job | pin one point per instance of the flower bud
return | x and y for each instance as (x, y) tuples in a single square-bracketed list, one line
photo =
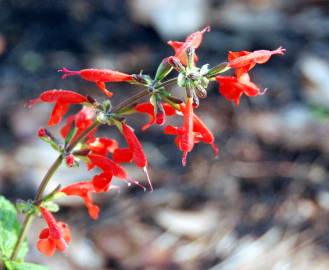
[(176, 64), (190, 56), (196, 101), (69, 159), (200, 91), (42, 132), (163, 70)]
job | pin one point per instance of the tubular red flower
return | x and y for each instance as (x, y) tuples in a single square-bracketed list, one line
[(194, 40), (148, 109), (62, 99), (56, 237), (244, 61), (84, 190), (232, 88), (135, 146), (138, 155), (187, 141), (99, 76), (201, 133)]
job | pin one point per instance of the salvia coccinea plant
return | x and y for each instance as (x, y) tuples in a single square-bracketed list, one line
[(79, 143)]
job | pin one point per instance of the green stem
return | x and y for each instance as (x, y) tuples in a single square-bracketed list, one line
[(20, 240), (54, 167), (168, 82)]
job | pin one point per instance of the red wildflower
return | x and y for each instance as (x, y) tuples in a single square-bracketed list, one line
[(62, 98), (82, 120), (134, 145), (56, 236), (201, 133), (185, 136), (84, 190), (232, 88), (148, 108), (194, 40), (99, 76), (244, 61)]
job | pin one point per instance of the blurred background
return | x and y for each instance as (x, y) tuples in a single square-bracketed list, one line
[(263, 204)]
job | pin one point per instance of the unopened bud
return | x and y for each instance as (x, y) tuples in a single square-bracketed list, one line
[(200, 91), (69, 159), (42, 132), (176, 64), (196, 101), (190, 56), (163, 70)]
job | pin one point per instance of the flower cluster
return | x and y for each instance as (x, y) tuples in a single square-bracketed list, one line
[(79, 133)]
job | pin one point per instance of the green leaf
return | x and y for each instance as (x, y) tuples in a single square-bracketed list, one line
[(24, 266), (9, 230)]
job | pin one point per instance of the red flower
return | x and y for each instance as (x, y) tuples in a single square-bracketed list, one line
[(244, 61), (194, 40), (62, 98), (56, 236), (134, 145), (232, 88), (148, 108), (185, 136), (201, 133), (99, 76), (84, 190), (82, 120)]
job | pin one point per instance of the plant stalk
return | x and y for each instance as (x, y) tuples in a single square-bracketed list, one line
[(54, 167)]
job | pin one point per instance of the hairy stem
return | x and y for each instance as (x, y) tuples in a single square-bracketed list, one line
[(54, 167)]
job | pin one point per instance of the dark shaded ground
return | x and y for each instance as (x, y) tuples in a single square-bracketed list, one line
[(262, 205)]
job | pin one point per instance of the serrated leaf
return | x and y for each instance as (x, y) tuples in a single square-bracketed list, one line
[(24, 266), (9, 230)]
